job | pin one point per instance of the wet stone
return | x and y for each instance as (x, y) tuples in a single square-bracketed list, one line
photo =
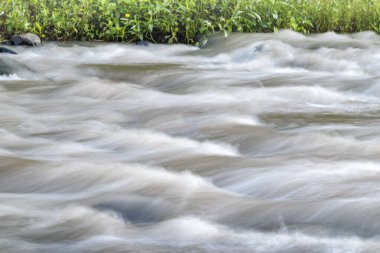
[(5, 50), (27, 39)]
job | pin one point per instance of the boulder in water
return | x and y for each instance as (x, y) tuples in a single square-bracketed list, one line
[(27, 39), (4, 50)]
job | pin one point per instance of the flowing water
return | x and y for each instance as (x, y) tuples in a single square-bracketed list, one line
[(258, 143)]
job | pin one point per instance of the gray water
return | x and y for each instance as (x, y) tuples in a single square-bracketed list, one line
[(259, 143)]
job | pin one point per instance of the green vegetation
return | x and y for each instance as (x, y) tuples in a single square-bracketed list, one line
[(173, 21)]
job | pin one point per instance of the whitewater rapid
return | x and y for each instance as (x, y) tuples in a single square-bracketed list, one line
[(264, 143)]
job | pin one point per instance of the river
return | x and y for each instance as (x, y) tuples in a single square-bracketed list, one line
[(264, 143)]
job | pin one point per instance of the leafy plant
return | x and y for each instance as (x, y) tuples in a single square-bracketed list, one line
[(179, 21)]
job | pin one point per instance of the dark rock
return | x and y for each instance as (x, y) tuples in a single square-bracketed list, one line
[(198, 36), (142, 43), (27, 39), (4, 50), (200, 40)]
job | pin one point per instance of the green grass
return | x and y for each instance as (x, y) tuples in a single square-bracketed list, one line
[(177, 21)]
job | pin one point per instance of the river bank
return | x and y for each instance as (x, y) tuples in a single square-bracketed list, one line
[(180, 21)]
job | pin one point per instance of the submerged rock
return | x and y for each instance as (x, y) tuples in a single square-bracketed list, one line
[(4, 50), (9, 66), (142, 43), (6, 67), (27, 39), (138, 209)]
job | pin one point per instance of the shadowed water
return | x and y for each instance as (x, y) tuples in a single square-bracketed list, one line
[(259, 143)]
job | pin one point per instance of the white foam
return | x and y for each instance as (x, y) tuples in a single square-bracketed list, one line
[(10, 77)]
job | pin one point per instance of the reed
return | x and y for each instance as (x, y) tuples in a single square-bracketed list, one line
[(178, 21)]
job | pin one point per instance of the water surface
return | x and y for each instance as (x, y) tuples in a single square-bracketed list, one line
[(259, 143)]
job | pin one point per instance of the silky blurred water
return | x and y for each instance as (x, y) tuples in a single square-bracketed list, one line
[(258, 143)]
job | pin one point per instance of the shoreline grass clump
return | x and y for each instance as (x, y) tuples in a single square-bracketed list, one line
[(178, 21)]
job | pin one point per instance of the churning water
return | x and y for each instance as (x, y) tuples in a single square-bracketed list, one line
[(259, 143)]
